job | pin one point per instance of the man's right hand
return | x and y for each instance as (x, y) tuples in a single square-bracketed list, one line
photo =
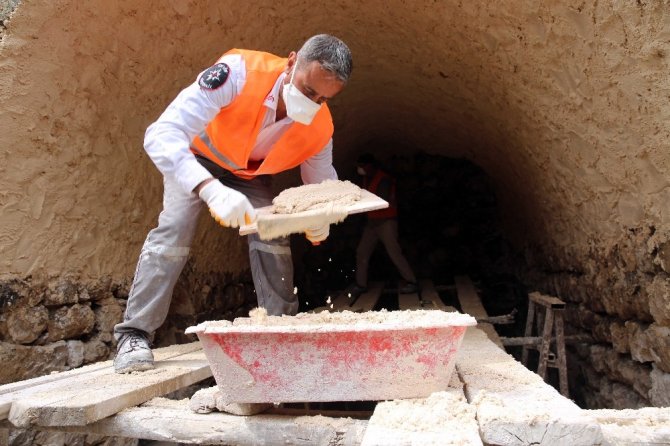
[(228, 206)]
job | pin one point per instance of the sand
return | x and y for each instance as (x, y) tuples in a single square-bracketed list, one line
[(316, 196), (258, 318)]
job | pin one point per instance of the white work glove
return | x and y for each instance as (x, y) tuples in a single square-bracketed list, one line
[(318, 234), (228, 206)]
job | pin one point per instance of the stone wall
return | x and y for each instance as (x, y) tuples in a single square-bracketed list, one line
[(620, 296), (62, 323)]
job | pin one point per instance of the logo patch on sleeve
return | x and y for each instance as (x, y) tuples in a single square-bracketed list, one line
[(214, 76)]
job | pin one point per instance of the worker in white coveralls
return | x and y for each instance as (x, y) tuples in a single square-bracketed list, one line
[(249, 116)]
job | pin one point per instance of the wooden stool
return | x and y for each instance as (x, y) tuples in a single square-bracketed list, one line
[(551, 320)]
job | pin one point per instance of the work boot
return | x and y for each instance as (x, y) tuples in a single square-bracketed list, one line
[(133, 353), (355, 290), (408, 288)]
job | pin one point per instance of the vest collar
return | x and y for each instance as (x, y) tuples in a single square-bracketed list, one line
[(272, 99)]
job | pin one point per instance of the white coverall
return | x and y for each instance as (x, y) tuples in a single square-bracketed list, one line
[(167, 246)]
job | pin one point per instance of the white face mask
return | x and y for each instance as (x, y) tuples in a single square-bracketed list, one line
[(360, 170), (299, 107)]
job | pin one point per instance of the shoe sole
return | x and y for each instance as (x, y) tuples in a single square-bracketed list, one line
[(135, 367)]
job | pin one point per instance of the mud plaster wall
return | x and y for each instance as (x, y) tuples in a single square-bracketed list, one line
[(564, 104)]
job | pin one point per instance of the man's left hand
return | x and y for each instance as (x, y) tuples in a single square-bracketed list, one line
[(318, 234)]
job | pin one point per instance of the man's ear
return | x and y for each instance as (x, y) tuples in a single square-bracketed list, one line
[(292, 56)]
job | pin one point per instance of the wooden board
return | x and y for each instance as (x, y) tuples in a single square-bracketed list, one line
[(472, 305), (514, 405), (22, 389), (430, 296), (368, 202), (409, 301), (85, 398), (169, 420), (368, 300)]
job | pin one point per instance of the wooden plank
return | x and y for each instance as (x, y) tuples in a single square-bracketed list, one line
[(514, 405), (368, 202), (444, 418), (472, 305), (368, 300), (161, 419), (634, 427), (22, 389), (93, 396), (430, 296), (546, 301), (409, 301)]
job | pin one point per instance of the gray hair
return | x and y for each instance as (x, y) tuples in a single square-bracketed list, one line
[(333, 55)]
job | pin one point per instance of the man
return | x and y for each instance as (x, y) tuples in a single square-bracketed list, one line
[(250, 115), (381, 225)]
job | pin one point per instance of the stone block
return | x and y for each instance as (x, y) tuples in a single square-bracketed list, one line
[(659, 299), (620, 368), (70, 322), (95, 350), (659, 394), (101, 290), (659, 340), (23, 362), (640, 344), (61, 292), (75, 353), (620, 339), (107, 315), (26, 324), (615, 395)]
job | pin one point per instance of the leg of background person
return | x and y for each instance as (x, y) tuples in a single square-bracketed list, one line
[(388, 233), (366, 247)]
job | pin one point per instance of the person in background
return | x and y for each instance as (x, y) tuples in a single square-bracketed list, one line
[(381, 225), (247, 117)]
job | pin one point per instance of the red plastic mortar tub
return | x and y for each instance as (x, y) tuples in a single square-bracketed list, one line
[(344, 357)]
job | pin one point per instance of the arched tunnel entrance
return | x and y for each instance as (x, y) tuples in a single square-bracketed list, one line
[(530, 139)]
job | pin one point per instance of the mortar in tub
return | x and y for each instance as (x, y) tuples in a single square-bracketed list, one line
[(333, 356)]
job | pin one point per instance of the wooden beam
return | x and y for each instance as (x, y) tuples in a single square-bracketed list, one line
[(430, 296), (537, 340), (444, 418), (634, 427), (22, 389), (170, 420), (409, 301), (514, 405), (368, 300), (546, 301), (90, 397), (472, 305)]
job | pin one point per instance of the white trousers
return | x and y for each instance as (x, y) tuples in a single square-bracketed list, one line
[(167, 246)]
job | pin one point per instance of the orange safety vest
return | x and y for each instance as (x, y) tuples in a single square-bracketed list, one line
[(392, 210), (230, 137)]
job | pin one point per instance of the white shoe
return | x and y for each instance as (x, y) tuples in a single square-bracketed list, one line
[(133, 353)]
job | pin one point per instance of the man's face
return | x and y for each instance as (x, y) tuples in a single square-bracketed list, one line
[(313, 81)]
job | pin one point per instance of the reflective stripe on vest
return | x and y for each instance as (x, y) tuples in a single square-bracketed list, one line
[(392, 210), (229, 138)]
